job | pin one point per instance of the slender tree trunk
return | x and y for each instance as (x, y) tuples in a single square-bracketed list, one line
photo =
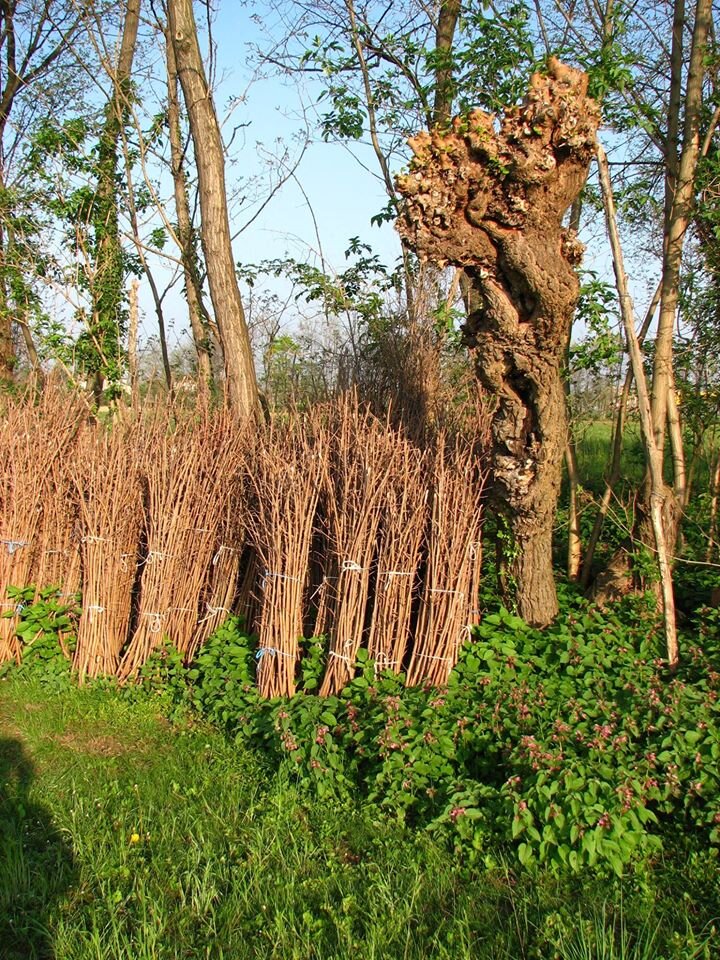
[(574, 554), (613, 471), (680, 192), (574, 551), (444, 38), (193, 286), (217, 246), (7, 347), (139, 247), (652, 450), (715, 495), (132, 343), (108, 318)]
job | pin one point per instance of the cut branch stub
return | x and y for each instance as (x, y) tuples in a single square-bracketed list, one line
[(471, 184), (489, 194)]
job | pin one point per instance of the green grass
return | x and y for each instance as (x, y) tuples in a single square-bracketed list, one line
[(125, 837), (593, 442)]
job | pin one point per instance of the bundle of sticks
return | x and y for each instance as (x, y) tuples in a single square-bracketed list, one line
[(285, 479), (355, 485), (35, 438), (189, 468), (448, 599), (109, 491), (403, 522)]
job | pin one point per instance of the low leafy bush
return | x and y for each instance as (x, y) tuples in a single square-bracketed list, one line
[(47, 628), (572, 744)]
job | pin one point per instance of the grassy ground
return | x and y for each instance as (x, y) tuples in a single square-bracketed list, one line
[(126, 837)]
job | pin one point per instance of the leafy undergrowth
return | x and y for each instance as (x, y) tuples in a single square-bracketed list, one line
[(559, 799), (126, 836), (572, 746)]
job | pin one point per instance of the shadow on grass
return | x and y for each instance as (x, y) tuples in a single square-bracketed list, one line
[(36, 862)]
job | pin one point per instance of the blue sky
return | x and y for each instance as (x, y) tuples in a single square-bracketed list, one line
[(343, 195)]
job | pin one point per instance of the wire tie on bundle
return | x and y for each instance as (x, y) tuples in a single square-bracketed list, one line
[(429, 656), (13, 545), (389, 574), (219, 551), (124, 561), (94, 608), (91, 538), (341, 656), (382, 661), (349, 566), (458, 593), (17, 607), (154, 555), (213, 612), (273, 651), (320, 586), (269, 574), (157, 618)]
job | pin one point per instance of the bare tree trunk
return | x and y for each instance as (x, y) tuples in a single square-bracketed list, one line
[(715, 495), (676, 445), (444, 37), (7, 347), (132, 343), (653, 451), (574, 554), (493, 202), (140, 248), (680, 193), (613, 472), (193, 286), (217, 246)]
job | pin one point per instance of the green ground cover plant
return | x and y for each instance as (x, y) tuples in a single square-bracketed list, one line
[(552, 801), (127, 836)]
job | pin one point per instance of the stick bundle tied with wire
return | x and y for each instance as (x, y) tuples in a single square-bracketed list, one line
[(34, 437), (448, 600), (107, 480), (284, 482), (354, 490), (402, 528), (189, 466)]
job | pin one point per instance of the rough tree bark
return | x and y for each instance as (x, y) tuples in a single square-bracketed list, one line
[(193, 285), (217, 246), (492, 201)]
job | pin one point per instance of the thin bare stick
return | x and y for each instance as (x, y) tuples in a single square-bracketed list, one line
[(652, 449)]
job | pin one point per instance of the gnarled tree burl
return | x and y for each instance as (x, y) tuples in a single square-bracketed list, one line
[(489, 194)]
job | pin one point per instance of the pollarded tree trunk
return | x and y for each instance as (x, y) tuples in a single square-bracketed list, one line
[(492, 201)]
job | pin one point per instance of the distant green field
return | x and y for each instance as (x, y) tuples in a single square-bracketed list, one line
[(593, 450)]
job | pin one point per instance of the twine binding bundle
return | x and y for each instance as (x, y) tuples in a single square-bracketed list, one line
[(402, 527), (107, 480), (354, 488), (188, 468), (34, 439), (447, 599), (285, 480)]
